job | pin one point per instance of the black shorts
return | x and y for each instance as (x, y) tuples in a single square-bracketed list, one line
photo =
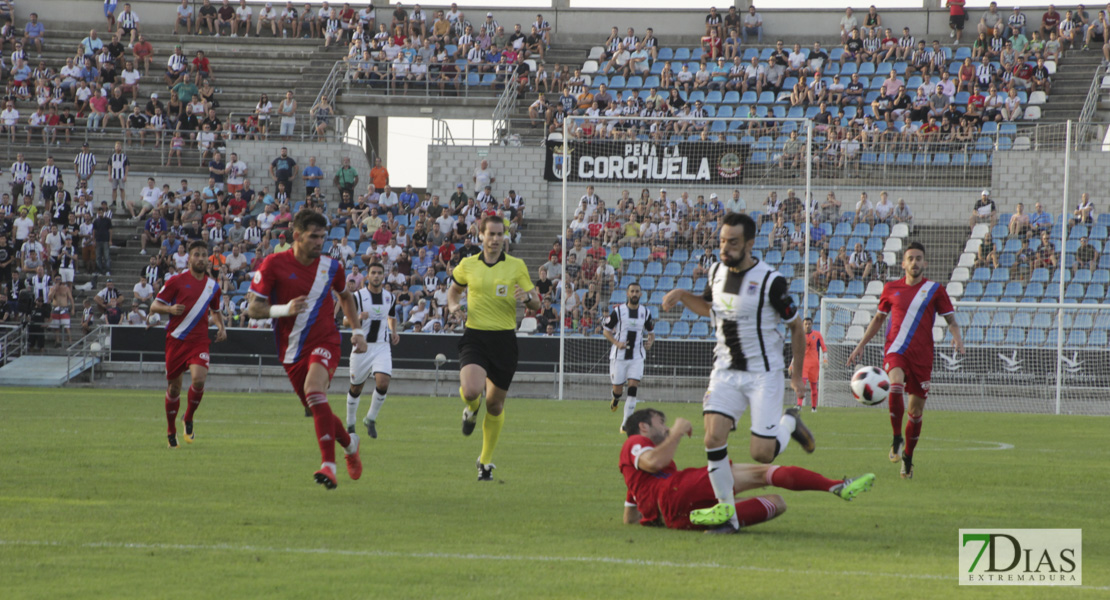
[(957, 21), (494, 351)]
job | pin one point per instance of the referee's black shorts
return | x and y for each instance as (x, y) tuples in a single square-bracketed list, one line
[(494, 351)]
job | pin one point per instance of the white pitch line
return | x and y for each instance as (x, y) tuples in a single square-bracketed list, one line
[(631, 562)]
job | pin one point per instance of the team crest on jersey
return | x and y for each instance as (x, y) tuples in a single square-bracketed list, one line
[(753, 287), (502, 290)]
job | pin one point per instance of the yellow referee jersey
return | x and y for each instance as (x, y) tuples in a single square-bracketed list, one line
[(491, 299)]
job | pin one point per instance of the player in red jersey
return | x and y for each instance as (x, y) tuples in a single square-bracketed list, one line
[(189, 299), (816, 357), (295, 288), (912, 303), (660, 494)]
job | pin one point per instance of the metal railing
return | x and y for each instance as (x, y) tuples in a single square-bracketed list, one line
[(1087, 130), (467, 82), (13, 343), (503, 112), (91, 346)]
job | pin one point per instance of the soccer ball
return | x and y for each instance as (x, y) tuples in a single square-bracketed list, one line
[(870, 386)]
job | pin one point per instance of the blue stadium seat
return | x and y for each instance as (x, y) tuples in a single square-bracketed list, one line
[(635, 267), (673, 268), (792, 257), (684, 283), (974, 335), (1077, 338), (1014, 289), (680, 329), (647, 282), (699, 283), (1023, 319), (654, 268), (1074, 291), (1001, 319), (619, 296), (1000, 275), (981, 318), (699, 330), (1036, 337), (1097, 339), (855, 288), (981, 274), (625, 252), (993, 289), (665, 283), (994, 335), (1039, 275), (773, 257), (786, 270), (836, 288), (689, 315), (974, 289), (662, 329), (643, 253), (1082, 276), (688, 268)]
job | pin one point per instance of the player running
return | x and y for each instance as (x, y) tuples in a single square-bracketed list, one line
[(660, 494), (816, 357), (747, 299), (912, 303), (294, 288), (377, 309), (629, 329), (189, 299), (494, 282)]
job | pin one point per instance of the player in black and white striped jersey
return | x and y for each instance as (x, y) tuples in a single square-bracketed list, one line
[(629, 329), (747, 299), (378, 313)]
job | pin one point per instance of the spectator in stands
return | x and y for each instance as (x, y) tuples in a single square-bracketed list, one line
[(987, 255), (1042, 79), (1023, 262), (848, 24), (1019, 223), (1084, 213), (903, 214), (860, 264), (990, 19), (1046, 254), (753, 25), (1086, 256), (268, 16), (865, 210), (957, 16), (884, 210), (984, 211)]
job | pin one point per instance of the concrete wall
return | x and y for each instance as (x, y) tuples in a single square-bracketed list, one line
[(516, 168), (576, 25), (1039, 177), (329, 157)]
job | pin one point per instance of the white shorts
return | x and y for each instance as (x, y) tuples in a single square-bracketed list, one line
[(66, 274), (378, 358), (731, 392), (621, 370)]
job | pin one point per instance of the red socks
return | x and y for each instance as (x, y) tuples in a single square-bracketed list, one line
[(755, 510), (913, 431), (798, 480), (329, 429), (897, 408), (172, 404), (813, 393), (194, 401)]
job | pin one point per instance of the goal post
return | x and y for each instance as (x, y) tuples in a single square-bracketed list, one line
[(1045, 357)]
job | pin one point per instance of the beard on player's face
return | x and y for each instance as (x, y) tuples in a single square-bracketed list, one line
[(634, 297), (733, 259)]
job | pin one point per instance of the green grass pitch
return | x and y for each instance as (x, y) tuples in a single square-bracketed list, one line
[(93, 505)]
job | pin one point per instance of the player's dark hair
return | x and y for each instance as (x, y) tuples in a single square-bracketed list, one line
[(306, 218), (196, 244), (634, 284), (486, 220), (375, 264), (807, 319), (916, 246), (734, 219), (644, 415)]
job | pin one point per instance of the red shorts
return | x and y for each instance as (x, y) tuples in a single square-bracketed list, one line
[(811, 375), (687, 490), (917, 373), (327, 355), (179, 355)]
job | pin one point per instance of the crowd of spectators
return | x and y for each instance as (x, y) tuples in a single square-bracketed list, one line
[(58, 235), (433, 51)]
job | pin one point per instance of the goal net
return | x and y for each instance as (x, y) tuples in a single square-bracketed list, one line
[(1043, 357)]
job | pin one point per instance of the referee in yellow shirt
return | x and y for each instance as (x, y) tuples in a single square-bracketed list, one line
[(487, 350)]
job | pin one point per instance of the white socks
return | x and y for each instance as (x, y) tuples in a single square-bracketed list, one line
[(786, 428), (629, 408), (720, 476), (375, 405), (352, 409)]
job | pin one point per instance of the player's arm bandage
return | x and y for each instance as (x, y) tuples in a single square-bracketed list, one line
[(279, 310)]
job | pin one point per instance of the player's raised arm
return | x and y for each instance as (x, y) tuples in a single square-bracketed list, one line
[(872, 328), (698, 304), (656, 459)]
